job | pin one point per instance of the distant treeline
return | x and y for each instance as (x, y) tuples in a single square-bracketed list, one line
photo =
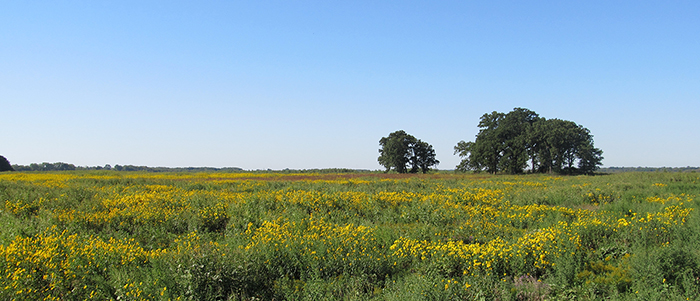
[(61, 166), (317, 170), (648, 169), (44, 167)]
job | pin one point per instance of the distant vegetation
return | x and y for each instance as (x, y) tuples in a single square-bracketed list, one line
[(58, 166), (649, 169), (61, 166)]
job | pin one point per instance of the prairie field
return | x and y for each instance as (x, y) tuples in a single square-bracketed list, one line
[(316, 236)]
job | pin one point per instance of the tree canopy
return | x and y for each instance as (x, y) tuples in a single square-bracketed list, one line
[(58, 166), (5, 164), (399, 151), (506, 142)]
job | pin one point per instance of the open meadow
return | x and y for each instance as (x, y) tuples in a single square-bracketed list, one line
[(281, 236)]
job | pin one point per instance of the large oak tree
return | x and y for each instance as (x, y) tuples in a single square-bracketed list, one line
[(399, 151)]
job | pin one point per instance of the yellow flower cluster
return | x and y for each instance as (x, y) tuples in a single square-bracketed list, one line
[(670, 199), (150, 204), (535, 249), (214, 218), (49, 180), (326, 248), (23, 208), (66, 262)]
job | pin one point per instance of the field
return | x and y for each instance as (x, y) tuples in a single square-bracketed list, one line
[(276, 236)]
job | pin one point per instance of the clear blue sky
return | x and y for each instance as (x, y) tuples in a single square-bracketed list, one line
[(300, 84)]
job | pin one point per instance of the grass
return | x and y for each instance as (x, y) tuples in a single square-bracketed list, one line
[(264, 236)]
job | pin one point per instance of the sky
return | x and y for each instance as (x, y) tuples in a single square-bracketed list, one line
[(316, 84)]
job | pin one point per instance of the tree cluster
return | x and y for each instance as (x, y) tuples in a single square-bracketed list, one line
[(401, 151), (58, 166), (509, 142), (5, 164)]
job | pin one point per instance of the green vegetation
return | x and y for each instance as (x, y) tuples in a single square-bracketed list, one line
[(5, 164), (400, 149), (506, 142), (111, 235), (61, 166), (614, 169)]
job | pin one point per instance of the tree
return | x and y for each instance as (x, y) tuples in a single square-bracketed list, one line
[(5, 164), (399, 150), (464, 150), (394, 151), (506, 142), (570, 148), (502, 144), (423, 157), (590, 158), (539, 151), (487, 150), (513, 134)]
